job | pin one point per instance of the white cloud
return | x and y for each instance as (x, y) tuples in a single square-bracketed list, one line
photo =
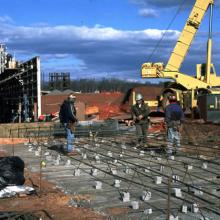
[(6, 19), (167, 3), (148, 13), (72, 33), (97, 51), (158, 3)]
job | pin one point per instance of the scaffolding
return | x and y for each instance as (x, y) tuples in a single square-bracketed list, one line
[(60, 81)]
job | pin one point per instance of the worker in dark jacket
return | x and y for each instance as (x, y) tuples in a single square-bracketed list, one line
[(174, 117), (140, 112), (68, 119)]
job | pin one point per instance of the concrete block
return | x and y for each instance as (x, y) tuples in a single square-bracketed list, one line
[(76, 172), (141, 153), (184, 209), (125, 196), (57, 162), (204, 218), (97, 158), (94, 172), (148, 211), (152, 152), (109, 154), (49, 158), (98, 184), (171, 157), (86, 146), (204, 165), (177, 192), (162, 168), (146, 195), (135, 205), (175, 178), (37, 153), (114, 171), (158, 180), (68, 163), (189, 167), (198, 192), (128, 170), (123, 146), (171, 217), (194, 208), (78, 150), (117, 183), (46, 153), (84, 156), (147, 170)]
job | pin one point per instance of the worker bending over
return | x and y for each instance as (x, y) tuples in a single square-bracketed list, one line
[(140, 112), (174, 117)]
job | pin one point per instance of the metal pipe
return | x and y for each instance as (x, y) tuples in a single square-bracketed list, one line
[(209, 47)]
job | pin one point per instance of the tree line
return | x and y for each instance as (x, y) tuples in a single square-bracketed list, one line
[(93, 85)]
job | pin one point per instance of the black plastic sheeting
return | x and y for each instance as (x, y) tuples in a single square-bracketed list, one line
[(17, 216), (11, 171)]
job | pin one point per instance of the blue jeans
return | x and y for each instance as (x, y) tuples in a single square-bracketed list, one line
[(70, 138), (173, 140)]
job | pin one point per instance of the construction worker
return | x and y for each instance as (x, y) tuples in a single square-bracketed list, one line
[(68, 118), (140, 112), (174, 117)]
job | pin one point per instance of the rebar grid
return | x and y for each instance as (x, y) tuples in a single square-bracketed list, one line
[(144, 168)]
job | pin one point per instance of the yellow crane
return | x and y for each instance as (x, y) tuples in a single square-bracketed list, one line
[(186, 87)]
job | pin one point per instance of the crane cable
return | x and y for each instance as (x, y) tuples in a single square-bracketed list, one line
[(163, 35)]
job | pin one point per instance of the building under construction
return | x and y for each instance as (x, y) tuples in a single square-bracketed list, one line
[(19, 88), (109, 176)]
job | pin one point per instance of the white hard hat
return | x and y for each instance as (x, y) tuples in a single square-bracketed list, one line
[(72, 96), (138, 97)]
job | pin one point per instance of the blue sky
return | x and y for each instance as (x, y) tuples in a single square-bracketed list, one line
[(101, 38)]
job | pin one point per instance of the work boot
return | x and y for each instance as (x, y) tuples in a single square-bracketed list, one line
[(72, 153)]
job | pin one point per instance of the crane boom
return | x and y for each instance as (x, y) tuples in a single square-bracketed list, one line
[(187, 35), (201, 80), (185, 86)]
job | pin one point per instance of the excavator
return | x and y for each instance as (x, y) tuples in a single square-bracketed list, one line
[(187, 88)]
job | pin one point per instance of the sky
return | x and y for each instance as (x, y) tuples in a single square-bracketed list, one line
[(102, 38)]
